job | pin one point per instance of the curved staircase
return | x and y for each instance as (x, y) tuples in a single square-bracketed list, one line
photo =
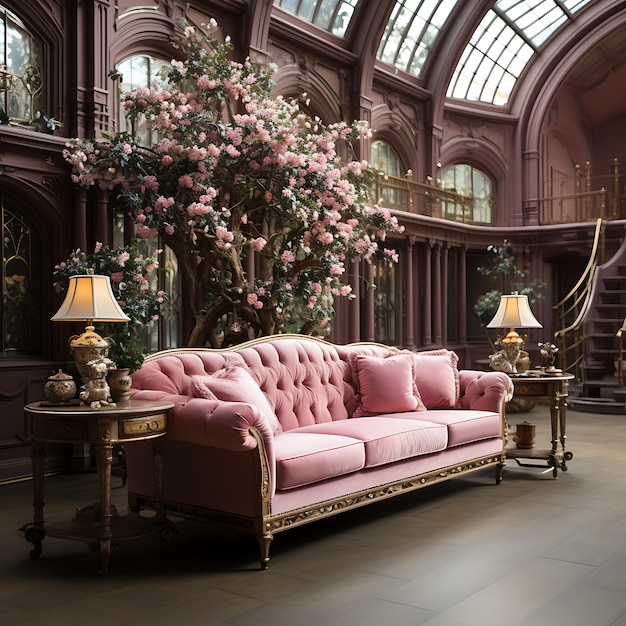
[(598, 388)]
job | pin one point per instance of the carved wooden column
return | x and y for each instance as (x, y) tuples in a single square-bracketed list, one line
[(437, 278), (80, 218), (354, 310), (427, 308), (94, 27), (462, 295), (368, 329), (102, 226), (445, 282), (409, 296)]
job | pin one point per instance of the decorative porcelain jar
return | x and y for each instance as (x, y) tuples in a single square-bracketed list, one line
[(60, 387)]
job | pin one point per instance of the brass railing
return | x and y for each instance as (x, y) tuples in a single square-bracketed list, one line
[(427, 199), (620, 359), (423, 199), (573, 308), (586, 206)]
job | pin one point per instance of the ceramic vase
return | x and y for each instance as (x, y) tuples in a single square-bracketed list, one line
[(60, 387), (120, 383)]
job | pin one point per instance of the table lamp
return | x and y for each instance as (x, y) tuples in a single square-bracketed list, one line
[(90, 299), (513, 312)]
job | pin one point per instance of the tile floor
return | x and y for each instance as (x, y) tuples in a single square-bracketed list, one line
[(533, 551)]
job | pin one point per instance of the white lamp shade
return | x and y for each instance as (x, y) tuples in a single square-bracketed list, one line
[(514, 312), (90, 297)]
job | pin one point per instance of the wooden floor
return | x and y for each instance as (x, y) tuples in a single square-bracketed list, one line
[(533, 551)]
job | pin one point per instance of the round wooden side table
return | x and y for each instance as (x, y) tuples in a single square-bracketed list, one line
[(98, 525)]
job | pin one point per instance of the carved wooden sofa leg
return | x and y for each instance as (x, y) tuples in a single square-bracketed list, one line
[(499, 471), (264, 547)]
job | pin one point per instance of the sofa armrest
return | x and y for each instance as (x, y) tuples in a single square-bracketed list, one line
[(484, 391), (218, 424), (234, 426)]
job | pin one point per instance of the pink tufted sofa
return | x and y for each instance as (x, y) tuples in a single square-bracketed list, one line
[(289, 429)]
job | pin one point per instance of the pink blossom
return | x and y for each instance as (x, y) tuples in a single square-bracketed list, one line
[(258, 244), (392, 254), (145, 233), (169, 229), (287, 257), (151, 182), (195, 208), (185, 182), (122, 258), (140, 219), (117, 277), (163, 203), (224, 234), (252, 298)]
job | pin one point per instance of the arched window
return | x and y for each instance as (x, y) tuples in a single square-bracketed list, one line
[(384, 158), (20, 313), (136, 72), (21, 82), (394, 193), (474, 185)]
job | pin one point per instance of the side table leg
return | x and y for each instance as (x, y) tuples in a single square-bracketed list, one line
[(555, 411), (158, 451), (34, 533), (167, 530), (104, 462)]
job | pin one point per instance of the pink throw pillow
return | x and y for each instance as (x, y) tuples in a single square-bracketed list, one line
[(437, 378), (385, 385), (235, 384)]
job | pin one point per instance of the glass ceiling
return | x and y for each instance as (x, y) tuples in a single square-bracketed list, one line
[(501, 46)]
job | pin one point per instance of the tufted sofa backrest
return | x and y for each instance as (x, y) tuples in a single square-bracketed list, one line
[(307, 381)]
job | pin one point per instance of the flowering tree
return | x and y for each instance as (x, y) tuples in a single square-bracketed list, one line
[(131, 281), (250, 193)]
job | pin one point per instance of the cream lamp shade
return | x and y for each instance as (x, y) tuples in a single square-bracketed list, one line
[(514, 312), (90, 298)]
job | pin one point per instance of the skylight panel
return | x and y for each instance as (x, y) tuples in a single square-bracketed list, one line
[(502, 45), (333, 16), (412, 32)]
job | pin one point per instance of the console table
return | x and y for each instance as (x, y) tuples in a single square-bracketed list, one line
[(98, 525), (552, 389)]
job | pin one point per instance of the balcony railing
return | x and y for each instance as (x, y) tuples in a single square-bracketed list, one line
[(422, 199), (404, 194)]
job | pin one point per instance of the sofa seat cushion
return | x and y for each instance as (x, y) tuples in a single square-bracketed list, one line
[(302, 459), (388, 438), (466, 426)]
